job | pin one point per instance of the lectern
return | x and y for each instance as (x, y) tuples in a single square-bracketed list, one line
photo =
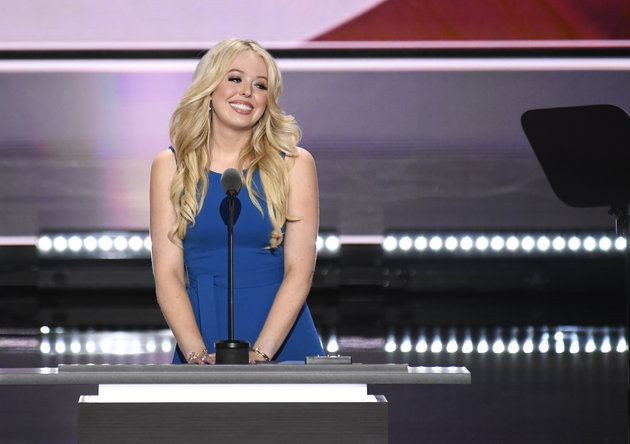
[(280, 403)]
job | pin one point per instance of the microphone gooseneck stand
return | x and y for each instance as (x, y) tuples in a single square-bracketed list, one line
[(231, 351)]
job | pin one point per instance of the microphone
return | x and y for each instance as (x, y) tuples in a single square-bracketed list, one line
[(231, 351), (231, 182)]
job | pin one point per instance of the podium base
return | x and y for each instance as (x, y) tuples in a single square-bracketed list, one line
[(232, 352), (278, 422)]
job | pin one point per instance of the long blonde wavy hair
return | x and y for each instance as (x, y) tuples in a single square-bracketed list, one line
[(275, 135)]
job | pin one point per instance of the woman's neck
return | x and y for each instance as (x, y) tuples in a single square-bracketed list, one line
[(226, 147)]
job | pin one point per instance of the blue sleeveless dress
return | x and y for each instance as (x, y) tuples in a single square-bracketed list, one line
[(258, 273)]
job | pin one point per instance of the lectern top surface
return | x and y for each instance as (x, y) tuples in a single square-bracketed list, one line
[(231, 374)]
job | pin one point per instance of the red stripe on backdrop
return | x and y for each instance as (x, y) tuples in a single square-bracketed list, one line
[(418, 20)]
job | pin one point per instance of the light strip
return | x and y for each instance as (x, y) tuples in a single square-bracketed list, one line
[(563, 340), (132, 393), (96, 245), (298, 44), (361, 239), (407, 243), (489, 244), (331, 65), (26, 241)]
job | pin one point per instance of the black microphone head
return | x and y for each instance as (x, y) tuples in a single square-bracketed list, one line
[(231, 181)]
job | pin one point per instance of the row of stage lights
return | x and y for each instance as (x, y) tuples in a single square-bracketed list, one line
[(502, 244), (126, 245), (122, 343), (106, 245), (138, 244), (59, 342), (561, 342)]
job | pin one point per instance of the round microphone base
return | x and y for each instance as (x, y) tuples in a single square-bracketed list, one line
[(232, 352)]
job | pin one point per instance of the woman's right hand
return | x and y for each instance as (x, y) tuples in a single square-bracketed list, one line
[(203, 358)]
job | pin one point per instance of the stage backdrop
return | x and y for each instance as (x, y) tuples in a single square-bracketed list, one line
[(413, 141), (107, 24)]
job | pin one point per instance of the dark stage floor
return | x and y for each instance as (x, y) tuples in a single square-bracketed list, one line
[(538, 385)]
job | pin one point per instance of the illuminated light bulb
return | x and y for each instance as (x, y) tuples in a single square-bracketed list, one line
[(44, 244), (120, 243), (332, 243), (512, 243), (497, 243), (166, 345), (151, 346), (451, 346), (75, 347), (589, 243), (60, 243), (620, 243), (90, 347), (389, 243), (405, 243), (44, 347), (481, 243), (482, 346), (450, 243), (319, 243), (147, 243), (606, 347), (528, 243), (75, 243), (332, 345), (420, 243), (467, 346), (558, 243), (605, 244), (574, 347), (390, 345), (436, 345), (90, 243), (105, 243), (405, 346), (422, 346), (135, 243), (466, 243), (498, 346), (543, 243), (528, 346), (543, 346), (513, 346), (435, 243), (590, 346), (559, 346), (574, 243), (60, 346), (621, 345)]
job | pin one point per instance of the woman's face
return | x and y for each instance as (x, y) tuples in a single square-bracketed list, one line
[(241, 98)]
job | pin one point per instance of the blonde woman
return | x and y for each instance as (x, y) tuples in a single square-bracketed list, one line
[(229, 117)]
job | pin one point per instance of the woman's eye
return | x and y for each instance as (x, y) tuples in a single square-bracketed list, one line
[(234, 79), (261, 86)]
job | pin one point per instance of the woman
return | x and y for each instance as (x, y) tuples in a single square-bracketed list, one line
[(229, 117)]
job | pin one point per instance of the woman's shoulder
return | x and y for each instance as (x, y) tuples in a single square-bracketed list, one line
[(164, 161), (301, 164), (300, 156), (165, 158)]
